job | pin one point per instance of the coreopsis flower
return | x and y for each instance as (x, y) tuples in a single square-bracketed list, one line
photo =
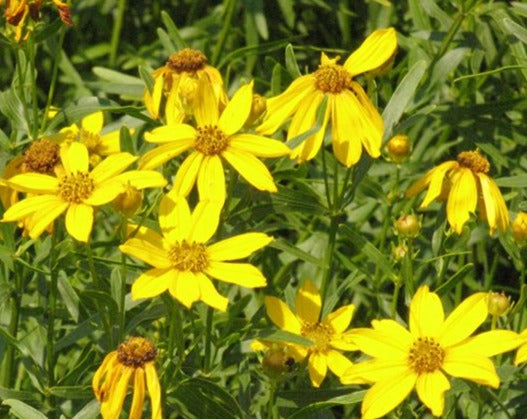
[(131, 364), (175, 86), (75, 191), (465, 185), (521, 355), (519, 227), (326, 334), (355, 121), (183, 260), (421, 356), (216, 137)]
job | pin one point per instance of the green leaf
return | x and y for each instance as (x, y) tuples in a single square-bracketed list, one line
[(116, 76), (281, 336), (346, 399), (291, 63), (173, 31), (69, 296), (7, 393), (11, 106), (72, 392), (147, 78), (166, 41), (22, 410), (89, 411), (454, 279), (517, 30), (519, 181), (125, 140), (43, 32), (295, 251)]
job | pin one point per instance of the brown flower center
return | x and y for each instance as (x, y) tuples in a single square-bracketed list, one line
[(332, 78), (189, 60), (136, 352), (76, 187), (210, 140), (426, 355), (474, 161), (189, 256), (319, 333), (41, 157)]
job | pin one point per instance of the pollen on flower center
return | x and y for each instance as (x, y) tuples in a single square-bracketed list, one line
[(187, 256), (136, 351), (425, 355), (89, 139), (41, 156), (474, 161), (189, 60), (210, 140), (332, 78), (319, 333), (76, 187)]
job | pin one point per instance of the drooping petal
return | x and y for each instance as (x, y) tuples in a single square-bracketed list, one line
[(156, 157), (105, 367), (171, 133), (374, 370), (341, 318), (238, 247), (75, 158), (386, 395), (281, 107), (187, 174), (153, 282), (185, 288), (491, 343), (337, 362), (111, 166), (374, 52), (380, 343), (145, 251), (204, 221), (93, 122), (431, 389), (152, 101), (243, 274), (79, 221), (462, 199), (34, 183), (281, 315), (462, 364), (259, 146), (346, 128), (119, 393), (251, 169), (206, 109), (237, 110), (495, 207), (434, 178), (211, 180), (136, 410), (209, 295), (426, 313), (308, 302), (464, 320), (318, 367), (154, 389)]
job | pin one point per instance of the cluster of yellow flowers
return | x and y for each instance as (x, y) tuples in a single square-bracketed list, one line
[(80, 169)]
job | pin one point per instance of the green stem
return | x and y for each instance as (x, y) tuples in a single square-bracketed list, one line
[(116, 32), (408, 269), (34, 101), (208, 339), (226, 28), (326, 181), (272, 410), (328, 257), (122, 297), (52, 305), (395, 298), (22, 92)]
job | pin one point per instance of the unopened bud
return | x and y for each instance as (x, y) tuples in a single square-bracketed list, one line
[(129, 201), (277, 361), (398, 148), (399, 252), (498, 304), (519, 227), (408, 225), (258, 107)]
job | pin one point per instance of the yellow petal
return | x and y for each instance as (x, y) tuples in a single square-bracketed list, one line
[(110, 143), (119, 393), (337, 362), (32, 204), (144, 233), (374, 370), (101, 371), (34, 183), (462, 364), (495, 207), (281, 107), (105, 192), (237, 111), (464, 320), (79, 221), (136, 410), (375, 51), (462, 199), (154, 389), (112, 166), (491, 343), (521, 355), (75, 158), (153, 101), (44, 217), (347, 130), (206, 109), (174, 217), (243, 274), (308, 302), (209, 295), (341, 318), (159, 155), (187, 174), (185, 288), (431, 389), (171, 133), (153, 282), (93, 123), (386, 395), (318, 368), (251, 169), (281, 315), (238, 247), (146, 252), (259, 146), (141, 179), (204, 221), (381, 343), (211, 180), (426, 313), (434, 178)]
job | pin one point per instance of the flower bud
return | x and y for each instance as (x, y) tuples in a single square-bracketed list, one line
[(258, 107), (399, 252), (519, 227), (408, 225), (398, 148), (498, 304), (129, 201), (277, 361)]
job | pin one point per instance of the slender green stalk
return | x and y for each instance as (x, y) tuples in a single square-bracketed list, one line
[(52, 306), (22, 92), (408, 269), (208, 339), (116, 32), (122, 297), (34, 101), (395, 298), (272, 410), (229, 6)]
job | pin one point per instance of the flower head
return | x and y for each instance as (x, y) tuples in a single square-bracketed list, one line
[(421, 356), (75, 190), (183, 260), (465, 185), (132, 362), (355, 121), (326, 334), (216, 137)]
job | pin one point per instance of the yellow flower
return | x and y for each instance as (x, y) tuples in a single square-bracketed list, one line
[(465, 185), (76, 190), (183, 260), (355, 121), (176, 84), (521, 355), (519, 227), (216, 137), (132, 362), (326, 335), (419, 358)]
